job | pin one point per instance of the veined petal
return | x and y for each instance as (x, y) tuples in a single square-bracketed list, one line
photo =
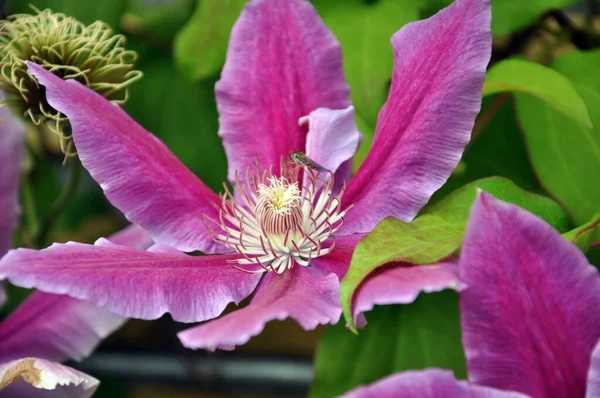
[(430, 383), (55, 327), (132, 236), (332, 140), (338, 261), (423, 128), (529, 313), (12, 133), (593, 383), (282, 63), (402, 283), (38, 378), (137, 172), (303, 293), (130, 282)]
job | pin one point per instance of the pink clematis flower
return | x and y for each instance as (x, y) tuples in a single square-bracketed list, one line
[(287, 231), (529, 314), (46, 328)]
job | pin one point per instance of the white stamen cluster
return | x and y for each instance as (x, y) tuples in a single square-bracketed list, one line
[(275, 221)]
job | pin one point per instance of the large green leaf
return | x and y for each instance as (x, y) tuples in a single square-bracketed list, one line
[(547, 84), (364, 31), (512, 15), (566, 155), (423, 334), (435, 234), (200, 47), (586, 234), (183, 115), (109, 11)]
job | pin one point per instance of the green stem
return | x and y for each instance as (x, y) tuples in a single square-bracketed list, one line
[(61, 202)]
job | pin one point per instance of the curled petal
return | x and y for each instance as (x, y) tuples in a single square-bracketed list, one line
[(430, 383), (282, 63), (38, 378), (401, 284), (12, 133), (131, 282), (332, 140), (137, 172), (422, 130), (529, 314), (303, 293)]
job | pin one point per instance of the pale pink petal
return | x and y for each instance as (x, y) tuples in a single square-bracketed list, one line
[(332, 140), (12, 134), (529, 313), (422, 130), (305, 294), (402, 283), (55, 327), (593, 382), (132, 236), (130, 282), (282, 63), (38, 378), (137, 172), (430, 383)]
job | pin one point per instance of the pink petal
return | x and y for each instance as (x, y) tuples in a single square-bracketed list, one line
[(422, 130), (338, 261), (55, 327), (137, 172), (132, 236), (402, 283), (303, 293), (12, 133), (282, 63), (38, 378), (332, 140), (130, 282), (530, 314), (430, 383), (593, 383)]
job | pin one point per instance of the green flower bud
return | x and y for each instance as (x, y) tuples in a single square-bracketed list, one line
[(92, 55)]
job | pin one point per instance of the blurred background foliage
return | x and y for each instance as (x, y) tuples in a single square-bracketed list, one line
[(539, 127)]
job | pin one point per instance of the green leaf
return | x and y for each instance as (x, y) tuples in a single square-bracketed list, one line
[(586, 234), (545, 83), (364, 31), (512, 15), (423, 334), (499, 150), (109, 11), (566, 155), (435, 234), (183, 115), (157, 21), (201, 46)]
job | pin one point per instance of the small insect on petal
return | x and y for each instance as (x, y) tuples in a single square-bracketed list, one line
[(302, 160)]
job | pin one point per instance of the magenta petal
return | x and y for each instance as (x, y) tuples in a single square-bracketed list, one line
[(333, 139), (430, 383), (338, 261), (12, 134), (282, 63), (38, 378), (401, 284), (305, 294), (529, 313), (422, 130), (130, 282), (137, 172), (55, 327)]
